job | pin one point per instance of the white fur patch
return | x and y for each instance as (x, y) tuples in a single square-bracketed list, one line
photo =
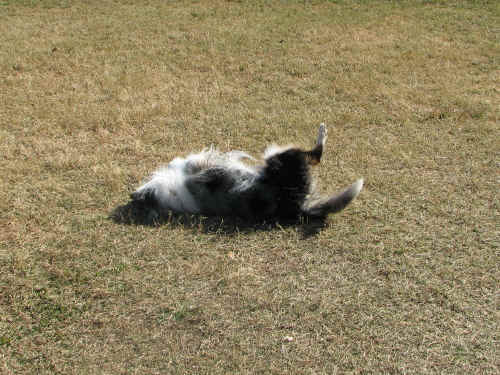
[(275, 149), (356, 187), (169, 182), (322, 134)]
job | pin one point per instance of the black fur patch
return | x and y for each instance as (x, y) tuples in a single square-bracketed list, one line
[(287, 175)]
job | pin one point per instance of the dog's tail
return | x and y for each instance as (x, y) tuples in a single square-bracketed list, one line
[(320, 209)]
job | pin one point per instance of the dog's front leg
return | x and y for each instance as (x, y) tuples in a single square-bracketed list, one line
[(314, 156)]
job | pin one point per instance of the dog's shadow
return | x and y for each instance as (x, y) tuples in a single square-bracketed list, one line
[(136, 214)]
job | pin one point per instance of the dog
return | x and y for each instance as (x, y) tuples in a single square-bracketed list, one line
[(213, 183)]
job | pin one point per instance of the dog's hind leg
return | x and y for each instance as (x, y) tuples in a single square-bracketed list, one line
[(313, 157)]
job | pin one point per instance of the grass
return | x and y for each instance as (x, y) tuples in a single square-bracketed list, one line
[(95, 95)]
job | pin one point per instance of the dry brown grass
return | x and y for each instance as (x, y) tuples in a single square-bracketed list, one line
[(94, 95)]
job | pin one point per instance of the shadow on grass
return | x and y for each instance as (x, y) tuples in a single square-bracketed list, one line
[(136, 214)]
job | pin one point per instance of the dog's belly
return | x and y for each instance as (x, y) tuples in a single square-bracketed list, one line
[(208, 183), (220, 191)]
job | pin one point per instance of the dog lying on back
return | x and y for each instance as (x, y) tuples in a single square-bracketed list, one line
[(212, 183)]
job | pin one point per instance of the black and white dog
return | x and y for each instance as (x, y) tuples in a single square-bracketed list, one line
[(212, 183)]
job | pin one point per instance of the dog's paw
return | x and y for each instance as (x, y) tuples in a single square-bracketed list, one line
[(142, 195), (136, 196), (322, 134)]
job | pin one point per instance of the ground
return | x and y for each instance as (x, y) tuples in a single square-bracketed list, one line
[(95, 95)]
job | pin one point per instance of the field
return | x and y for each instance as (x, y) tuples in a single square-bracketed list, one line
[(95, 95)]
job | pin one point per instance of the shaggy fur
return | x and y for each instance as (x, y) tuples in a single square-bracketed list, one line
[(212, 183)]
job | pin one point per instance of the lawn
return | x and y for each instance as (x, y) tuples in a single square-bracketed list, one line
[(95, 95)]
